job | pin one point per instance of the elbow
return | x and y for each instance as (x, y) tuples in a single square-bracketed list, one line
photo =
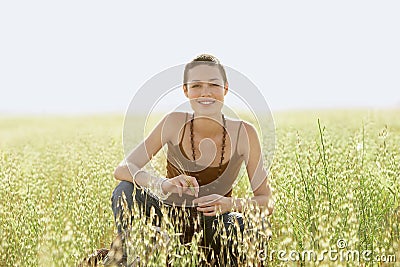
[(117, 173), (270, 209), (122, 173), (270, 206), (267, 204)]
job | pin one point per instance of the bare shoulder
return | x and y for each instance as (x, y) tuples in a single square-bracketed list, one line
[(173, 123), (237, 122), (175, 117), (247, 137), (233, 123), (249, 129)]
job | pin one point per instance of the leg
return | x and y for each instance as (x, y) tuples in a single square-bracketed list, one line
[(122, 204), (212, 231), (146, 202)]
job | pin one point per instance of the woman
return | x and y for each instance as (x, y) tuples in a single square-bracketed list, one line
[(205, 152)]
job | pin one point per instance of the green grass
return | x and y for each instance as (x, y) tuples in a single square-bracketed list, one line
[(336, 175)]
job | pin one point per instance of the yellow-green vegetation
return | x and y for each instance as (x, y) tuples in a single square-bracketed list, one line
[(336, 176)]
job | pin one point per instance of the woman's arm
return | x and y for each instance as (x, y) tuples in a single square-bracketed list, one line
[(131, 167), (142, 154), (250, 146)]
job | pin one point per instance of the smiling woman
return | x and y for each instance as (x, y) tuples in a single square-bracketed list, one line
[(205, 153)]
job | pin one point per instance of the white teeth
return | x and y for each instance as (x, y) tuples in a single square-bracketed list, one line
[(206, 102)]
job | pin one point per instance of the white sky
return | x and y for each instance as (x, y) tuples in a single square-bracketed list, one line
[(91, 56)]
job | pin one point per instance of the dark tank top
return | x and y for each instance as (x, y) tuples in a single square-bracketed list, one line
[(207, 177)]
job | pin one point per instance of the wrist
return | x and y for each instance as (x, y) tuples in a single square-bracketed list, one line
[(231, 201), (164, 186), (159, 190), (134, 176), (236, 204)]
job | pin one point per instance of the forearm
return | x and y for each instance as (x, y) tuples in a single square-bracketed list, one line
[(145, 179), (141, 177), (122, 173)]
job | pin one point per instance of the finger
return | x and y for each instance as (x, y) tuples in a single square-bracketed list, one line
[(212, 202), (196, 186), (190, 191), (206, 199), (179, 188), (213, 213), (188, 186), (206, 209), (183, 183), (206, 204)]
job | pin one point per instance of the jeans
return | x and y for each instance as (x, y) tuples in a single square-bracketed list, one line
[(207, 224)]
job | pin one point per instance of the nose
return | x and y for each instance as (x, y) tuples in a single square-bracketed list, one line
[(206, 90)]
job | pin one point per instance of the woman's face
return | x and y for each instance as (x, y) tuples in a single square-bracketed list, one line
[(205, 89)]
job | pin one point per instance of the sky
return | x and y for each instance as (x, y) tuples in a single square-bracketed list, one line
[(81, 57)]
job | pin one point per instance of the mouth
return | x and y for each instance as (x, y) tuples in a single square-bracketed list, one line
[(205, 102)]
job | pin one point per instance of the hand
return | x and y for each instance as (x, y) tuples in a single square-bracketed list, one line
[(212, 204), (182, 184)]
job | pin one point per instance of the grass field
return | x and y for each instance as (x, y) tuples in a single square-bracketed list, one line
[(336, 176)]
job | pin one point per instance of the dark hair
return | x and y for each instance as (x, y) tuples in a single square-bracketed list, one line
[(204, 59)]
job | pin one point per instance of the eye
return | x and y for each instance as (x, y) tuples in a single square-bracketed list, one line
[(195, 86), (215, 84)]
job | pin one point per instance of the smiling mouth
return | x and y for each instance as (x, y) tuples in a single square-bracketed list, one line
[(206, 102)]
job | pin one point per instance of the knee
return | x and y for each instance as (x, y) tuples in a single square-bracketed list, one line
[(234, 222), (123, 190), (231, 223)]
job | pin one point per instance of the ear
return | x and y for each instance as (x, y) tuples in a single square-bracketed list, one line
[(226, 88), (185, 90)]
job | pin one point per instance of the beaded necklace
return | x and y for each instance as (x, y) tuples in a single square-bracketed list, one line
[(222, 147)]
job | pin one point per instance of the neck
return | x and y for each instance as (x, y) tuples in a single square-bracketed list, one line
[(209, 125)]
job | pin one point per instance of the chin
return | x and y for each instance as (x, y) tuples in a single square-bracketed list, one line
[(207, 111)]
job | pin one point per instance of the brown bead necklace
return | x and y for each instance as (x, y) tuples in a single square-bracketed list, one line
[(222, 147)]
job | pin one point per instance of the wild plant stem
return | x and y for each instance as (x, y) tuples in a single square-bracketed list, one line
[(324, 162)]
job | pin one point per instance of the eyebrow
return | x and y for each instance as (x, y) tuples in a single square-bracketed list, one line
[(213, 79)]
